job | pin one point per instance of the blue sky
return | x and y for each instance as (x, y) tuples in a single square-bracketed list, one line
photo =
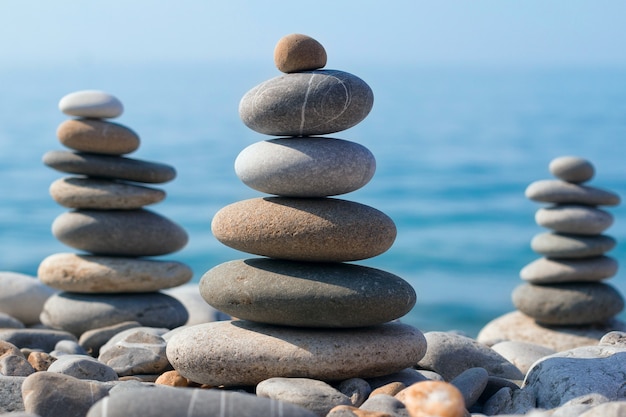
[(408, 32)]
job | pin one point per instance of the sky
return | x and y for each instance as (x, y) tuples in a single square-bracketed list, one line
[(528, 33)]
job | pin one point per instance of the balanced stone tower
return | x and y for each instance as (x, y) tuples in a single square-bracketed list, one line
[(564, 290), (113, 281), (301, 309)]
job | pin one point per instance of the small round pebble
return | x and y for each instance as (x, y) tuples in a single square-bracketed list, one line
[(434, 398), (297, 52), (572, 169), (92, 104), (97, 136)]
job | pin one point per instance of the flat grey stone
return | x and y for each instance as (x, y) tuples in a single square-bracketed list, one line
[(11, 394), (103, 194), (356, 389), (568, 303), (78, 313), (15, 365), (572, 169), (91, 103), (10, 322), (306, 103), (522, 354), (44, 339), (22, 296), (305, 167), (204, 353), (97, 136), (139, 350), (146, 402), (199, 310), (575, 219), (92, 340), (561, 192), (384, 403), (553, 271), (108, 274), (109, 166), (314, 395), (69, 346), (508, 401), (563, 245), (119, 232), (83, 367), (304, 229), (471, 383), (450, 354), (302, 294)]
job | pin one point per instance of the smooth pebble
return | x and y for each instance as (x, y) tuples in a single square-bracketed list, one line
[(298, 52), (563, 245), (22, 296), (434, 398), (561, 192), (575, 219), (572, 169), (552, 271), (91, 103), (97, 136)]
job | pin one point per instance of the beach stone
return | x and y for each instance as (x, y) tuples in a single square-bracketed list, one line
[(350, 411), (305, 167), (103, 274), (562, 245), (92, 340), (522, 354), (312, 394), (22, 296), (509, 401), (301, 294), (495, 384), (385, 405), (575, 303), (517, 326), (434, 398), (450, 354), (306, 103), (552, 271), (315, 229), (172, 379), (583, 220), (297, 52), (69, 346), (101, 194), (139, 350), (9, 349), (566, 375), (10, 322), (92, 104), (614, 338), (471, 383), (610, 409), (168, 401), (204, 353), (109, 166), (408, 376), (83, 367), (15, 365), (97, 136), (119, 232), (44, 339), (78, 313), (50, 394), (356, 389), (40, 361), (391, 388), (11, 394), (579, 405), (199, 310), (561, 192), (572, 169)]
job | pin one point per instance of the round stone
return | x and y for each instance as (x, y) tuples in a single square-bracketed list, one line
[(434, 398), (574, 219), (101, 274), (245, 353), (306, 294), (572, 169), (311, 229), (97, 136), (91, 103), (306, 103), (305, 167), (78, 313), (549, 271), (95, 193), (109, 166), (568, 303), (119, 232), (297, 52), (22, 296), (562, 245), (561, 192)]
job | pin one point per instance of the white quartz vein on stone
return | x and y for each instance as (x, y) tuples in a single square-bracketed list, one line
[(192, 402)]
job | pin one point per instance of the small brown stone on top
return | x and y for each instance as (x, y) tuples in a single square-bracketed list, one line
[(298, 52)]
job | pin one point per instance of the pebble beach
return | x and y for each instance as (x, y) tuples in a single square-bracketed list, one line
[(115, 327)]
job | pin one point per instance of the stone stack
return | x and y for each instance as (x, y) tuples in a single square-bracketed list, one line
[(112, 281), (565, 287), (302, 310)]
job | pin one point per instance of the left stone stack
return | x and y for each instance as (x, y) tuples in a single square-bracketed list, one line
[(112, 282)]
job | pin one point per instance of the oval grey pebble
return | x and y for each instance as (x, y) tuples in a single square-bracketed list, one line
[(551, 271), (574, 219), (563, 245), (561, 192), (83, 367), (572, 169), (43, 339), (356, 389)]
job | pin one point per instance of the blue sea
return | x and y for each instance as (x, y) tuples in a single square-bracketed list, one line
[(455, 150)]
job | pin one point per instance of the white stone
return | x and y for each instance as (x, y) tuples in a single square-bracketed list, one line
[(22, 296), (92, 104)]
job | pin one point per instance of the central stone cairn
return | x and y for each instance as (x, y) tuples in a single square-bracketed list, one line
[(113, 282), (301, 310)]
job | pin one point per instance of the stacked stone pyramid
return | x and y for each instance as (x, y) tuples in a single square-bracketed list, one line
[(302, 310), (566, 288), (112, 281)]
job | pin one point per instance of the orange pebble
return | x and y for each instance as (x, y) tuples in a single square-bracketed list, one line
[(434, 399), (346, 410), (390, 389), (298, 52), (173, 379)]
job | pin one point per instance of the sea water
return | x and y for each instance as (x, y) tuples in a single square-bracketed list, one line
[(455, 149)]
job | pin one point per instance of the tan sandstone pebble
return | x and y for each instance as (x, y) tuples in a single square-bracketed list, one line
[(434, 398), (40, 361), (390, 389), (349, 411), (172, 379), (97, 136), (298, 52)]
